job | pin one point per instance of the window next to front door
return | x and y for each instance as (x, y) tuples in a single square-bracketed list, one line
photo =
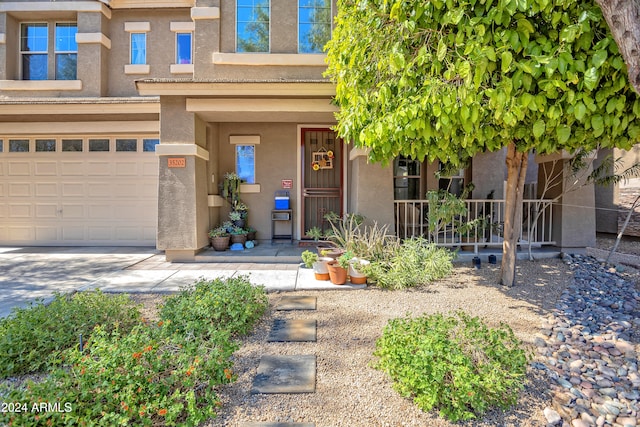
[(314, 25), (252, 26)]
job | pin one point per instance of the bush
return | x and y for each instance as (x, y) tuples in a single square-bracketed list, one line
[(164, 374), (416, 262), (29, 334), (454, 364)]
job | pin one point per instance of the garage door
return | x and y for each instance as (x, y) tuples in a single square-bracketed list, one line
[(91, 191)]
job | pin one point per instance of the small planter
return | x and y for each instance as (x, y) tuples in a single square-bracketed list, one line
[(239, 238), (330, 252), (239, 223), (220, 243), (355, 276), (320, 269), (337, 274)]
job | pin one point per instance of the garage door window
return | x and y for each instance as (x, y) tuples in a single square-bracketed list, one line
[(71, 145), (150, 144), (18, 145), (127, 145), (1, 146), (98, 145), (45, 145)]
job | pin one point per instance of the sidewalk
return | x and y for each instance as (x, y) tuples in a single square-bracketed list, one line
[(38, 272)]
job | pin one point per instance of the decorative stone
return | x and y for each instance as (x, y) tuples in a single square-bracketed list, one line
[(287, 330), (552, 416), (285, 374), (296, 302)]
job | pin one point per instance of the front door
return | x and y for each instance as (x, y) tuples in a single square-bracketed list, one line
[(321, 177)]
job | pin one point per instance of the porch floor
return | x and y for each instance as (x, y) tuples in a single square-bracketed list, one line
[(287, 253)]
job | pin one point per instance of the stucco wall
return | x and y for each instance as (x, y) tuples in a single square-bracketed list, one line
[(372, 191)]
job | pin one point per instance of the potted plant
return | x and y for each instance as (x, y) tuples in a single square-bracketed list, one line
[(238, 235), (356, 271), (319, 265), (251, 233), (231, 188), (219, 238), (338, 270), (242, 208), (236, 218), (315, 233)]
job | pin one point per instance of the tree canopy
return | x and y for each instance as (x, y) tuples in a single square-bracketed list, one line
[(448, 79)]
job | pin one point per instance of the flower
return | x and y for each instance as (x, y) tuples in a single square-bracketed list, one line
[(137, 355), (160, 323), (330, 154), (148, 348), (162, 412), (227, 374), (315, 166)]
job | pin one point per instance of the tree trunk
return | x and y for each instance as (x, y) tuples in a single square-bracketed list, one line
[(623, 17), (516, 174)]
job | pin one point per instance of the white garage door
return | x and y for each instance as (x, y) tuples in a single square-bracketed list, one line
[(101, 191)]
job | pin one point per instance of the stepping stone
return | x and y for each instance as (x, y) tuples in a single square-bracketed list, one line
[(285, 374), (277, 425), (292, 302), (284, 330)]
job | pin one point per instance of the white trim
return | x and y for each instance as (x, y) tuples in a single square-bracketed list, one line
[(74, 6), (249, 188), (3, 38), (37, 85), (244, 139), (182, 150), (182, 27), (181, 68), (275, 59), (93, 38), (205, 13), (137, 69), (260, 105), (90, 128), (137, 27), (255, 89), (215, 201)]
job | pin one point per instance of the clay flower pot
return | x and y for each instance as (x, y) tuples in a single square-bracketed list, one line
[(337, 274), (320, 269), (220, 243), (355, 276)]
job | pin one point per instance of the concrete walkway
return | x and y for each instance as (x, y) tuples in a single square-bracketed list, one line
[(38, 272)]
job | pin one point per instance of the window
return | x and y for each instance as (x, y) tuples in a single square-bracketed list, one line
[(126, 145), (66, 51), (451, 180), (406, 179), (45, 145), (34, 42), (183, 48), (98, 145), (1, 145), (138, 48), (246, 163), (150, 144), (18, 145), (314, 25), (71, 145), (252, 26)]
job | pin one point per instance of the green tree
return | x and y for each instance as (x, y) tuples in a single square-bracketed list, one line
[(448, 79)]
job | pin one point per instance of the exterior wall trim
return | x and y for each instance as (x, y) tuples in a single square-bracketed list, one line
[(42, 6), (205, 13), (72, 128), (181, 68), (195, 105), (244, 139), (182, 150), (137, 27), (273, 59), (93, 38), (179, 26), (3, 38), (316, 89), (137, 69), (146, 4), (79, 108), (37, 85)]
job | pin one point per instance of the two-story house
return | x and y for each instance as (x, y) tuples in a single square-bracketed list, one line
[(120, 118)]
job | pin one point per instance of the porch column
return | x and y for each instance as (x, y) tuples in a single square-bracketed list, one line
[(371, 189), (574, 219), (182, 188)]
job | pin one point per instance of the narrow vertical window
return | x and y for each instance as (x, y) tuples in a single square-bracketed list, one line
[(252, 30), (66, 51), (138, 48), (34, 41), (183, 48), (314, 25), (246, 163)]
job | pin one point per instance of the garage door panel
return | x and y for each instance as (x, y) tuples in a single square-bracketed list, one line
[(46, 189), (46, 169), (21, 233), (70, 211), (19, 168), (99, 190), (19, 189), (20, 210), (150, 168), (99, 169), (127, 212), (127, 233), (73, 189), (46, 210), (71, 233), (72, 168), (49, 234), (126, 169), (100, 233), (126, 190)]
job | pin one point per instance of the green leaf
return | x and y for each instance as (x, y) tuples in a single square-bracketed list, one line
[(599, 58), (591, 78), (442, 50), (539, 128), (580, 110), (507, 57), (563, 133)]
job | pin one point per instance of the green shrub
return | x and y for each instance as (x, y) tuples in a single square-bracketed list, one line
[(233, 304), (164, 374), (29, 334), (456, 365), (416, 262)]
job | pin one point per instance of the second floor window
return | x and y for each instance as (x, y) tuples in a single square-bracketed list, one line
[(314, 25), (34, 42), (138, 48), (66, 51), (252, 30), (183, 48)]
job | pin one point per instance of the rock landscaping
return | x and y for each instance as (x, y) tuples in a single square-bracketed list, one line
[(589, 348)]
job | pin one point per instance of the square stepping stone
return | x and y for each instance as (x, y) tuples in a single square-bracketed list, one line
[(284, 330), (277, 425), (285, 374), (296, 302)]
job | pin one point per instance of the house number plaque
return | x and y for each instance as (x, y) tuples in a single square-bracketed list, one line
[(177, 162)]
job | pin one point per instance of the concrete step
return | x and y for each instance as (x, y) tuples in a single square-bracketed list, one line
[(296, 330)]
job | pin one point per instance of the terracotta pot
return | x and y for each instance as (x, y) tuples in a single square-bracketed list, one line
[(239, 238), (356, 277), (337, 274), (330, 252), (219, 243), (320, 268)]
